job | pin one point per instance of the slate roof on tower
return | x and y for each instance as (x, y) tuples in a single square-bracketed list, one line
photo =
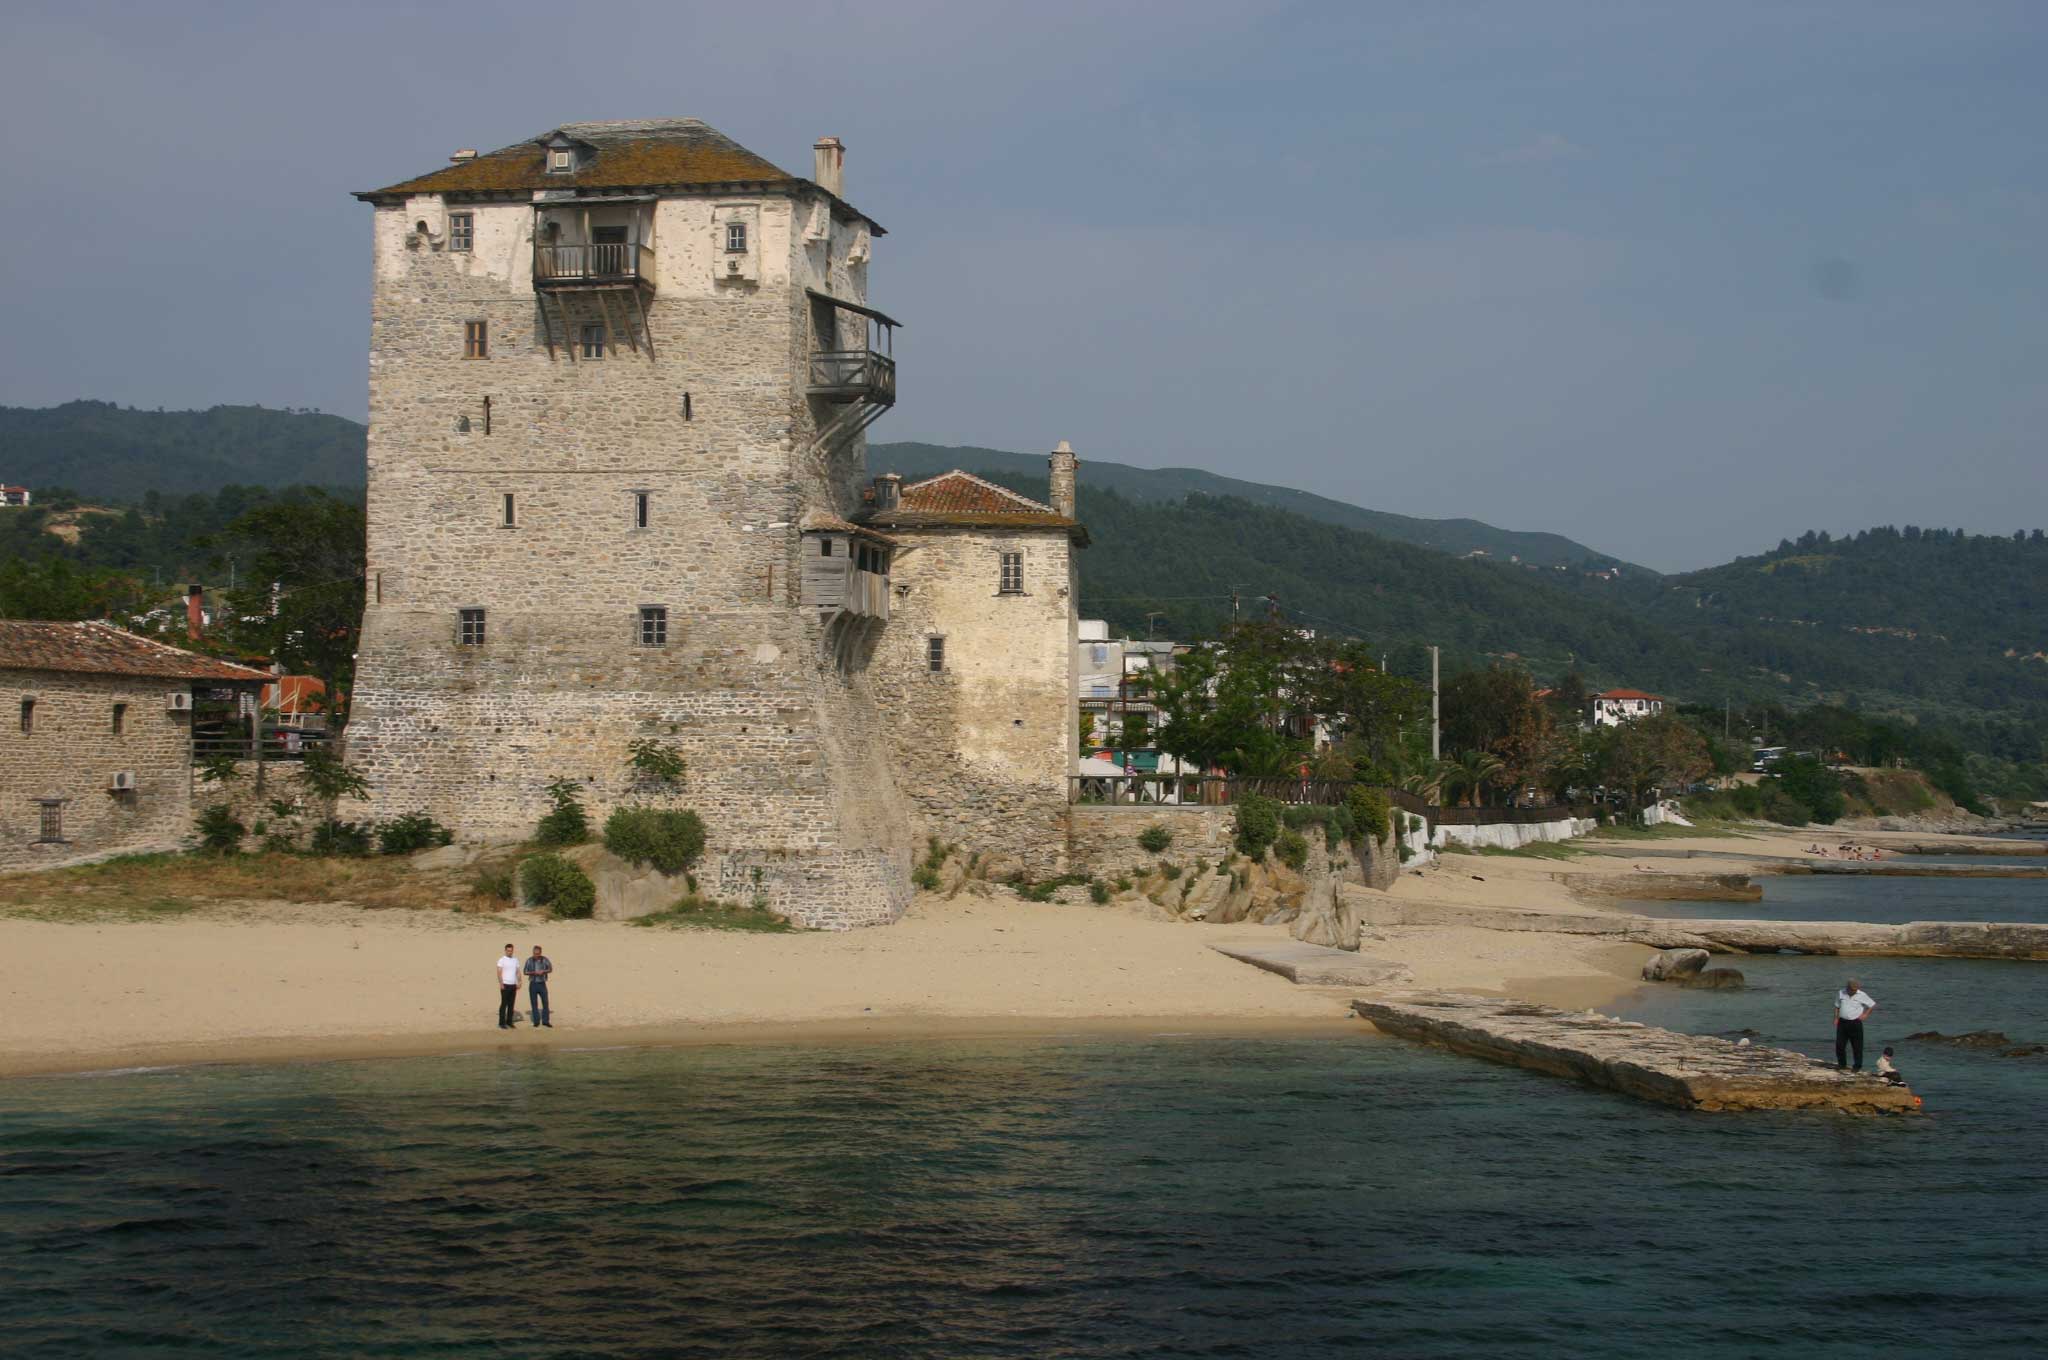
[(630, 153), (962, 500)]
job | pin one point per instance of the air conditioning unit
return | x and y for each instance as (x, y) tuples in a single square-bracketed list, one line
[(178, 700), (124, 781)]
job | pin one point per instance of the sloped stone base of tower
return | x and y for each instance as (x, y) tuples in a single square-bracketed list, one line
[(784, 757)]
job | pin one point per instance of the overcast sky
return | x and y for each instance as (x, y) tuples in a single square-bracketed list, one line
[(1675, 281)]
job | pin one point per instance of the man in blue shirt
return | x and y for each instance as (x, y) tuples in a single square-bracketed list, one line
[(537, 970)]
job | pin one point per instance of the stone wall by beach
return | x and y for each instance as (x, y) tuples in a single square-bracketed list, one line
[(67, 749)]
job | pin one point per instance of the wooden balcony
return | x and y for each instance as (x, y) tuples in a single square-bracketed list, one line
[(602, 264), (843, 375)]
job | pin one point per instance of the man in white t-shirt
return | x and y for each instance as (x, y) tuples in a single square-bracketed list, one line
[(508, 988), (1852, 1003)]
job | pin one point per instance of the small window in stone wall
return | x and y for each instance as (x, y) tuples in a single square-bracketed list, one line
[(461, 231), (28, 715), (511, 511), (1013, 574), (736, 238), (469, 627), (935, 654), (51, 832), (593, 341), (476, 341), (120, 718), (643, 504), (653, 625)]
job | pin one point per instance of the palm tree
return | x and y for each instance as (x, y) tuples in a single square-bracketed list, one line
[(1469, 775)]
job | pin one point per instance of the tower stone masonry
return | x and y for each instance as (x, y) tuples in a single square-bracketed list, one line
[(616, 370)]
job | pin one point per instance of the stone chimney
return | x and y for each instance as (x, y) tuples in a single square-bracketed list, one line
[(830, 174), (195, 612), (467, 153), (1063, 465), (888, 491)]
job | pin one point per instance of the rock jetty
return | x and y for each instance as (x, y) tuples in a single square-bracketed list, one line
[(1690, 1071)]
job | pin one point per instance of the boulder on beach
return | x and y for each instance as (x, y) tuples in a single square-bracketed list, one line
[(1673, 965)]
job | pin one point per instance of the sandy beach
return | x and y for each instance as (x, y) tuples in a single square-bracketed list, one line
[(273, 981)]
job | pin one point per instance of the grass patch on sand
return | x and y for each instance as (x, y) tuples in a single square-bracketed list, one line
[(152, 887), (1533, 850), (1669, 831), (696, 913)]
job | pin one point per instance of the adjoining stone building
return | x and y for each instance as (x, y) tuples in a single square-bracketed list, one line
[(619, 375), (96, 746)]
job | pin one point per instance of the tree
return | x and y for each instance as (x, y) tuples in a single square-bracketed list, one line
[(1225, 705), (302, 559), (1640, 756)]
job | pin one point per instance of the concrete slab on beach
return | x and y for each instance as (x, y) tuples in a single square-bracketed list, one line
[(1315, 965), (1690, 1071)]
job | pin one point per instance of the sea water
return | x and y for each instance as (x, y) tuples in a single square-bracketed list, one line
[(1066, 1196)]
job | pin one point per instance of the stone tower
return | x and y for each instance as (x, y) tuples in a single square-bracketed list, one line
[(614, 371)]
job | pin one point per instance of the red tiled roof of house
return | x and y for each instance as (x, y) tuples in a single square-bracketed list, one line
[(102, 649), (1627, 694), (959, 499)]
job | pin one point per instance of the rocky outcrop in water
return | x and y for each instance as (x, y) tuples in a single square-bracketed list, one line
[(1671, 965), (1989, 1040), (1716, 979)]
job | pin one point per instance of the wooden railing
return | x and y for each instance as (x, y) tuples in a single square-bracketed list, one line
[(232, 738), (853, 374), (596, 262)]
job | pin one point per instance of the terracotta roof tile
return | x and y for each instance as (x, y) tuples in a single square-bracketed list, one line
[(102, 649), (961, 500), (1626, 694)]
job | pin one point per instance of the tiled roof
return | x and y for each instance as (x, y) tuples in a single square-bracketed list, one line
[(825, 522), (636, 153), (963, 493), (1626, 694), (102, 649)]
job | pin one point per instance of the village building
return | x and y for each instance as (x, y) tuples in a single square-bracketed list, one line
[(1613, 707), (619, 379), (15, 495), (96, 746)]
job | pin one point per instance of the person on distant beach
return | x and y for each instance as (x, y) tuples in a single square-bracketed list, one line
[(1888, 1071), (537, 970), (508, 988), (1852, 1003)]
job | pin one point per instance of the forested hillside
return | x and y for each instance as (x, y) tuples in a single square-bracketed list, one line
[(108, 452), (1151, 485)]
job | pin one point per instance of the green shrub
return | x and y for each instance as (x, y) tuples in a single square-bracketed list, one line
[(1154, 839), (220, 831), (1258, 823), (412, 831), (1098, 891), (1171, 871), (279, 843), (666, 838), (1804, 780), (323, 775), (1123, 885), (1042, 892), (495, 883), (1371, 814), (1291, 850), (553, 883), (655, 762), (219, 768), (1401, 849), (925, 877), (348, 840), (566, 823)]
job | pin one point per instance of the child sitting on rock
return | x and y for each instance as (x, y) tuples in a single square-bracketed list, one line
[(1888, 1071)]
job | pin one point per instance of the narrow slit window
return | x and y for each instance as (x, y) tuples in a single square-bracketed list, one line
[(462, 231), (511, 510), (653, 625), (120, 718), (935, 654), (642, 507), (469, 627), (28, 715), (1013, 574), (476, 340), (593, 341)]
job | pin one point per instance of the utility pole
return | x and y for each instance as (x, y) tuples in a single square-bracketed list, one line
[(1234, 601), (1436, 725), (1150, 620)]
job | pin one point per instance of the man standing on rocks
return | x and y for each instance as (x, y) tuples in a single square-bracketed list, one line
[(508, 988), (1852, 1003)]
